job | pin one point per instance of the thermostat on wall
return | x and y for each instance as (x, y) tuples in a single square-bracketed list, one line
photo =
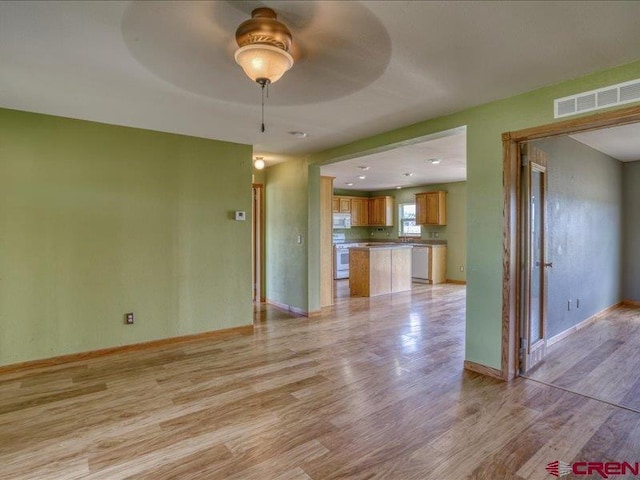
[(240, 215)]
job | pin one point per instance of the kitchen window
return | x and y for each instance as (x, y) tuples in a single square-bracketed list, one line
[(407, 220)]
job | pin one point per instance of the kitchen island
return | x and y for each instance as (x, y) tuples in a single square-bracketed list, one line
[(376, 269)]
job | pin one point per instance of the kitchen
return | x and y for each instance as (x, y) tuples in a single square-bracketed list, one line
[(426, 261), (410, 197)]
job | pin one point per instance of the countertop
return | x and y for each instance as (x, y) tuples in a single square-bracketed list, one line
[(382, 246), (417, 242)]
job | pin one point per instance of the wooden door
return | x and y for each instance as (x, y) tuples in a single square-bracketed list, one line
[(533, 330), (432, 208)]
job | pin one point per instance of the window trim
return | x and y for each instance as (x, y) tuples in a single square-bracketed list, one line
[(401, 232)]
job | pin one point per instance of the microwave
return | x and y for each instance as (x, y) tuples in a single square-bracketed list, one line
[(341, 220)]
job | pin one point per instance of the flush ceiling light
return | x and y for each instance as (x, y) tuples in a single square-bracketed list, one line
[(258, 163), (364, 168), (408, 174), (298, 134), (434, 161), (349, 184), (362, 177), (398, 188), (263, 54)]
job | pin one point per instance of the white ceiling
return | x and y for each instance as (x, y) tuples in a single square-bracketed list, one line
[(387, 169), (362, 67), (622, 143)]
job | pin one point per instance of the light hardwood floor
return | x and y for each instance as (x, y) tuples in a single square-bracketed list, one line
[(374, 388), (601, 360)]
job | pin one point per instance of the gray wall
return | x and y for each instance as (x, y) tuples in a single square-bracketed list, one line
[(584, 215), (631, 265)]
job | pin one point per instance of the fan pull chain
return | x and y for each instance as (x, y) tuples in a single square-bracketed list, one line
[(262, 126)]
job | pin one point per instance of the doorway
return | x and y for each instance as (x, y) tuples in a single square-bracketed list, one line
[(571, 290)]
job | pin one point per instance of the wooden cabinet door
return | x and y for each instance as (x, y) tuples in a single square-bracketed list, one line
[(374, 212), (335, 205), (431, 208), (345, 205), (359, 212), (381, 211), (421, 208)]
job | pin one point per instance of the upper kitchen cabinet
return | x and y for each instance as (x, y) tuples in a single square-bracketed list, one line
[(431, 208), (345, 204), (335, 204), (381, 211), (359, 212)]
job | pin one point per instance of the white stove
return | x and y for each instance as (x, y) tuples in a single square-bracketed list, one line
[(341, 255)]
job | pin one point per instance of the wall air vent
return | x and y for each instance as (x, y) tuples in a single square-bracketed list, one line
[(611, 96)]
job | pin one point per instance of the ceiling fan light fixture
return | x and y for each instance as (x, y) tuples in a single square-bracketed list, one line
[(263, 64), (264, 43)]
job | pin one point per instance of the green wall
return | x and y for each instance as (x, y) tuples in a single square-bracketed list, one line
[(287, 215), (485, 124), (98, 220)]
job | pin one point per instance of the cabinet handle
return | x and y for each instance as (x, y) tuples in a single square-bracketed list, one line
[(549, 265)]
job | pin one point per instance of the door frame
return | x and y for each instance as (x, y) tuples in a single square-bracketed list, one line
[(513, 217), (257, 241)]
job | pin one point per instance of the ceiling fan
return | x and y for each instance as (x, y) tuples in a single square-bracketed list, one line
[(337, 48)]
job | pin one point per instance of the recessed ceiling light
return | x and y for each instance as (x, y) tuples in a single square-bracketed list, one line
[(364, 167), (434, 161), (349, 184), (408, 174), (398, 188), (362, 177), (298, 134)]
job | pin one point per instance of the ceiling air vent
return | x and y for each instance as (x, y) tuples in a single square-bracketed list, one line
[(611, 96)]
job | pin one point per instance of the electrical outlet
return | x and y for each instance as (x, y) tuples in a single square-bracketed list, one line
[(128, 318), (462, 268)]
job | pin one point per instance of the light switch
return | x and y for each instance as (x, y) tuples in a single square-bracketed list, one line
[(240, 215)]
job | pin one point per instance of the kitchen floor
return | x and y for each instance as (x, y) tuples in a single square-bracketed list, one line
[(341, 288), (371, 388)]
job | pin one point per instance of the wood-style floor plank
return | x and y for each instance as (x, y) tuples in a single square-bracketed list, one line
[(373, 388), (601, 360)]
